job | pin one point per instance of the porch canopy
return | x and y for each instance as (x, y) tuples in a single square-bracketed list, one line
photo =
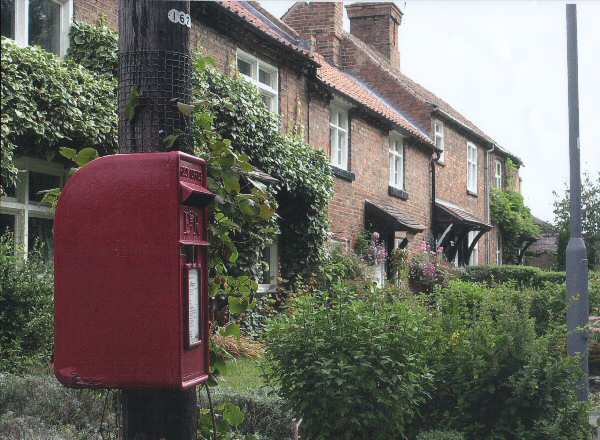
[(452, 227), (391, 218)]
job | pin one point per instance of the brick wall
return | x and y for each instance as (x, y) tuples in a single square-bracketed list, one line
[(91, 10), (370, 164)]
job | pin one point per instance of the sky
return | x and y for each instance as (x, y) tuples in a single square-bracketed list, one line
[(503, 66)]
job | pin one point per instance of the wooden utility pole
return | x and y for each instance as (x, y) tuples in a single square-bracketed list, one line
[(154, 73)]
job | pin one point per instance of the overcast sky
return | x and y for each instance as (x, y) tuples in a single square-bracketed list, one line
[(503, 65)]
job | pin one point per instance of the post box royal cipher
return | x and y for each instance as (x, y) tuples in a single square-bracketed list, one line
[(131, 303)]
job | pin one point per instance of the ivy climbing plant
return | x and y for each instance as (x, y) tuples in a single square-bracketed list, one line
[(514, 219), (305, 182), (47, 103)]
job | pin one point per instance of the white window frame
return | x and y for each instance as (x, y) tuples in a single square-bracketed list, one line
[(339, 153), (472, 167), (438, 135), (22, 23), (498, 174), (20, 206), (273, 269), (397, 157), (474, 257), (257, 65)]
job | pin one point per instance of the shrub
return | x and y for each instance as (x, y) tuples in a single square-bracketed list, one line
[(522, 276), (351, 368), (40, 407), (26, 309), (495, 377), (264, 412), (440, 435)]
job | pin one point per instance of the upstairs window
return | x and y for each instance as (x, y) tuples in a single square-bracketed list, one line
[(498, 174), (397, 162), (21, 210), (264, 76), (438, 132), (43, 23), (471, 168), (338, 125)]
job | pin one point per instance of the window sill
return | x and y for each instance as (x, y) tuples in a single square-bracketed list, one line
[(397, 192), (472, 194), (343, 174)]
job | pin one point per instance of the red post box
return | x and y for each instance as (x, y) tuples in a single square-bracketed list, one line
[(131, 303)]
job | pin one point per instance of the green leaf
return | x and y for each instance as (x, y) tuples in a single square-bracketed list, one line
[(232, 329), (69, 153), (185, 109), (233, 257), (132, 103), (231, 182), (51, 196), (266, 212), (232, 414), (248, 207), (169, 140), (85, 156), (237, 305)]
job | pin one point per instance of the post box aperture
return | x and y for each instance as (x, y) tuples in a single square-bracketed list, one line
[(131, 303)]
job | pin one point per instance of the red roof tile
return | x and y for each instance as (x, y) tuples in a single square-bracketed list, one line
[(352, 88), (254, 14)]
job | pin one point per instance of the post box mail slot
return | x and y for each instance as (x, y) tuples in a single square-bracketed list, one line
[(131, 303)]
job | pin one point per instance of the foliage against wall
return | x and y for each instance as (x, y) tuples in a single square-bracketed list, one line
[(47, 103), (305, 182), (509, 212), (94, 47)]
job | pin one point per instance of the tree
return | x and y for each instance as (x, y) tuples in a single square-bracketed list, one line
[(590, 201)]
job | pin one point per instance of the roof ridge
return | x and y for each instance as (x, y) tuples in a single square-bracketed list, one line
[(328, 74), (414, 87), (276, 20)]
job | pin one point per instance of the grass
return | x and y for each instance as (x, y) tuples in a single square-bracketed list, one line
[(242, 374)]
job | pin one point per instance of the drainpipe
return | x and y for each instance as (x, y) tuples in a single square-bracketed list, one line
[(434, 158), (487, 198)]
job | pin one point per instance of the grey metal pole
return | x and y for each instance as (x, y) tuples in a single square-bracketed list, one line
[(577, 276)]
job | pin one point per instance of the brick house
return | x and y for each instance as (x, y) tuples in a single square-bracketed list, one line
[(406, 164)]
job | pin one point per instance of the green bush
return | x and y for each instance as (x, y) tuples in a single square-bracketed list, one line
[(440, 435), (26, 309), (495, 376), (39, 407), (522, 276), (265, 413), (350, 367)]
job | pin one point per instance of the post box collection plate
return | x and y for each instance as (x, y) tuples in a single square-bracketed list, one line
[(193, 306), (131, 282)]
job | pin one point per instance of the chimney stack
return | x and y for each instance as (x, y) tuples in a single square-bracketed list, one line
[(377, 24), (321, 21)]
